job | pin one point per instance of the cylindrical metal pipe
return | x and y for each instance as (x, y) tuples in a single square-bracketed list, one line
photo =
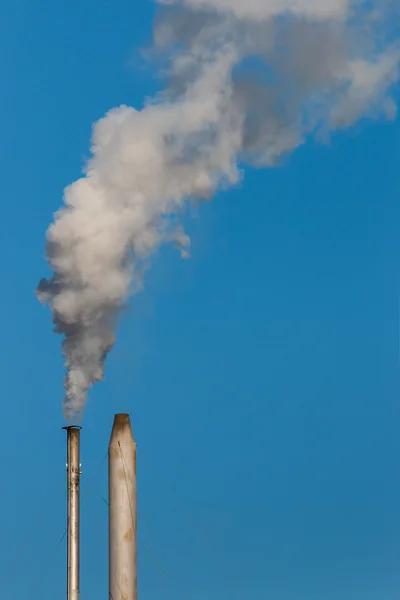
[(122, 511), (73, 506)]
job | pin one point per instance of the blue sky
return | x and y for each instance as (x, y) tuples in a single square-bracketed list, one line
[(262, 375)]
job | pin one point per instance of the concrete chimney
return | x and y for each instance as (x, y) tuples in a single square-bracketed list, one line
[(122, 511), (73, 502)]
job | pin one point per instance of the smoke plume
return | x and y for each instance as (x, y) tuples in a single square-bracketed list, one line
[(246, 81)]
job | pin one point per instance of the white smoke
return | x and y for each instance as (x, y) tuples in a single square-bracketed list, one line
[(265, 9), (246, 81)]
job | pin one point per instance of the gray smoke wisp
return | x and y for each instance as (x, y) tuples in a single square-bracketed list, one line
[(246, 82)]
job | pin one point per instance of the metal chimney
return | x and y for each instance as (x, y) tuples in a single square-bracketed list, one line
[(73, 501), (122, 511)]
